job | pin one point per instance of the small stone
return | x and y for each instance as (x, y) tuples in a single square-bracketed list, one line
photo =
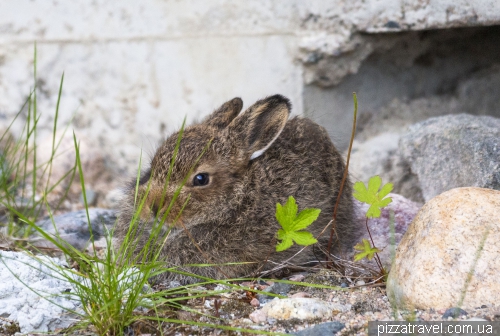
[(255, 302), (392, 25), (275, 288), (248, 284), (271, 321), (301, 295), (478, 319), (301, 308), (279, 288), (174, 284), (343, 285), (297, 277), (328, 328), (454, 313), (258, 316), (360, 283), (246, 321)]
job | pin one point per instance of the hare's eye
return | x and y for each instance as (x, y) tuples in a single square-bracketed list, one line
[(201, 179)]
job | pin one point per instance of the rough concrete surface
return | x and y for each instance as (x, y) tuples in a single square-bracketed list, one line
[(134, 70)]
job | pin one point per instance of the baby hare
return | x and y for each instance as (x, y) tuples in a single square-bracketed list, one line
[(254, 160)]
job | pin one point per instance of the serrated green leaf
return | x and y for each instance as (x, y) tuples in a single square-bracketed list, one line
[(385, 202), (291, 208), (281, 216), (291, 223), (361, 193), (286, 214), (374, 183), (386, 189), (373, 212), (372, 196), (303, 238), (281, 234), (367, 251), (305, 218), (285, 244)]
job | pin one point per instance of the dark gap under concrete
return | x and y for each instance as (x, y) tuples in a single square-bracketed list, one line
[(412, 76)]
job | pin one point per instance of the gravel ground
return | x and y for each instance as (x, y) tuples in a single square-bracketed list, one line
[(365, 303)]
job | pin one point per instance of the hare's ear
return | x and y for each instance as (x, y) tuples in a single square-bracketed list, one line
[(262, 123), (223, 116)]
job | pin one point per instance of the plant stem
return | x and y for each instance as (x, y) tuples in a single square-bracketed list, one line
[(377, 258), (344, 177)]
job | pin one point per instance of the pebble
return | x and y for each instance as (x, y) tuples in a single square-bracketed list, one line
[(258, 316), (301, 308), (276, 288), (454, 313), (328, 328), (255, 302), (297, 277), (279, 288), (301, 295)]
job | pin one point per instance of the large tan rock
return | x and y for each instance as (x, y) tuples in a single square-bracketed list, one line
[(455, 234)]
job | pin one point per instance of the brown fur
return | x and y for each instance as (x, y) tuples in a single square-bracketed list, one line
[(232, 219)]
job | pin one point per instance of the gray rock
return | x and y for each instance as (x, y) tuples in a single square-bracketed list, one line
[(328, 328), (454, 151), (279, 288), (455, 312), (73, 227), (276, 288)]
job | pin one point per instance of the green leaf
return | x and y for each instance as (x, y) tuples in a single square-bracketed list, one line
[(367, 251), (281, 234), (373, 212), (305, 218), (371, 196), (386, 189), (374, 183), (361, 193), (285, 244), (292, 223), (303, 238), (286, 214)]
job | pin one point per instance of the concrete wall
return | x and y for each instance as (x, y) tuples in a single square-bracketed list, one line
[(134, 69)]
